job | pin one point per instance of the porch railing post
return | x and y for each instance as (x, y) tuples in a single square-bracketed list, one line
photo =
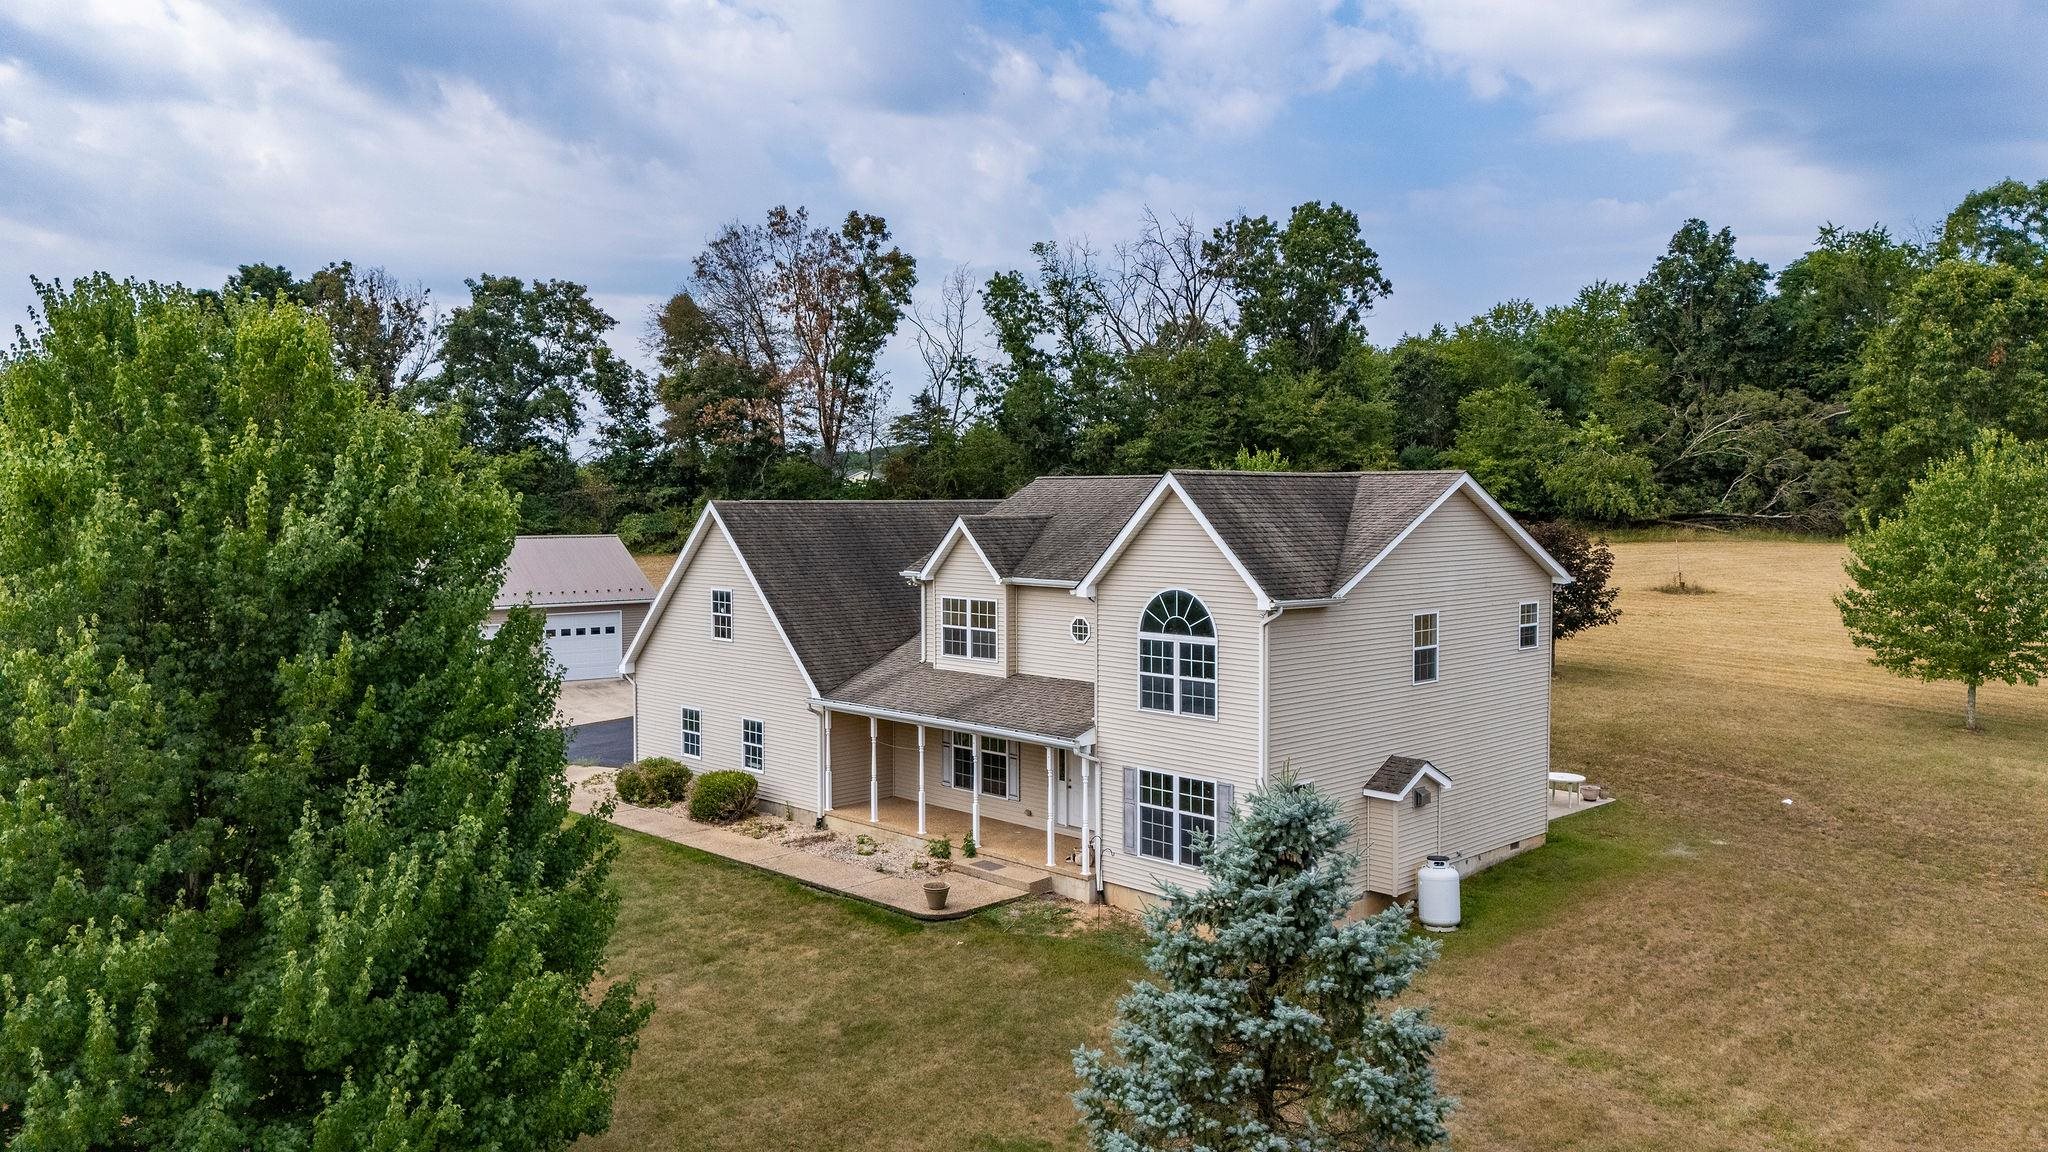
[(974, 805), (920, 779), (825, 755), (1048, 808), (874, 770)]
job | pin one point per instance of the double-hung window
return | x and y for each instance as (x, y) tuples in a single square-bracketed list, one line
[(1175, 814), (1425, 647), (721, 613), (961, 765), (995, 766), (1525, 631), (1177, 656), (693, 733), (967, 627), (753, 745)]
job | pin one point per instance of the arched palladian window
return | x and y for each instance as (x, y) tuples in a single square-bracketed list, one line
[(1177, 656)]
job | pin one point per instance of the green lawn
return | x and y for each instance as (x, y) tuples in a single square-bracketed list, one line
[(1698, 966), (790, 1019)]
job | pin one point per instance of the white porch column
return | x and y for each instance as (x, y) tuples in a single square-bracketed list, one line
[(1086, 828), (974, 805), (825, 804), (1048, 808), (874, 771), (920, 779)]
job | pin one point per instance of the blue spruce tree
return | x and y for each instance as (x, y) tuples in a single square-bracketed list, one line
[(1266, 1027)]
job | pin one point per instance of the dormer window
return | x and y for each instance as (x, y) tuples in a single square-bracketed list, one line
[(1177, 656), (967, 628)]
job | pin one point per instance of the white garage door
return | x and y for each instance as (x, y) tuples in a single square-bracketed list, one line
[(585, 644)]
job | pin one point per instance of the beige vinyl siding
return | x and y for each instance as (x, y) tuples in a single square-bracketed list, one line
[(1343, 700), (1172, 551), (1026, 759), (1042, 636), (963, 574), (752, 677)]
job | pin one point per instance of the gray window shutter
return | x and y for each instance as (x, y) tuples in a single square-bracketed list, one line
[(946, 760), (1131, 811), (1016, 774), (1226, 799)]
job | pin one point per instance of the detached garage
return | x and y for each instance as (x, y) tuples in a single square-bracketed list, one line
[(592, 592)]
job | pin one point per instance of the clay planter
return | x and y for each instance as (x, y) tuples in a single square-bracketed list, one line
[(935, 894)]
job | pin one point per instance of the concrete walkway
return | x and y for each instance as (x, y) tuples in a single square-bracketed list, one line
[(593, 701), (896, 892)]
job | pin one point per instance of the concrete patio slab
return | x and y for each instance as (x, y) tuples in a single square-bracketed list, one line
[(897, 892), (593, 701)]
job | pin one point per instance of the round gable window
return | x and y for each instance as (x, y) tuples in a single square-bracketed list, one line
[(1080, 629)]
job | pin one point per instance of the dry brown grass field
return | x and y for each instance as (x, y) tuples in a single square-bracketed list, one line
[(1700, 966)]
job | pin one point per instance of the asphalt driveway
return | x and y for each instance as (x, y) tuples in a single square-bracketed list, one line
[(608, 743)]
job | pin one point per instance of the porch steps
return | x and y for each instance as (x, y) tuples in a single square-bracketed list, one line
[(1005, 872)]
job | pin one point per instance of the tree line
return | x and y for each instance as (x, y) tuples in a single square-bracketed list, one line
[(1711, 389)]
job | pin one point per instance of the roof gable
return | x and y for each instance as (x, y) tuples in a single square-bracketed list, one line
[(830, 572)]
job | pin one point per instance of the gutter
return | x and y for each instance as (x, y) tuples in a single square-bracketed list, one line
[(953, 723)]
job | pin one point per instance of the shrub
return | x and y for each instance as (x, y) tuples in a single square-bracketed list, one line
[(968, 848), (722, 797), (940, 849), (668, 780), (631, 785)]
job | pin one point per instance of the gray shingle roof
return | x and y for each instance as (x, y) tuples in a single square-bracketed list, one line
[(1301, 535), (556, 570), (1083, 514), (1005, 540), (832, 572), (1037, 705), (1397, 773)]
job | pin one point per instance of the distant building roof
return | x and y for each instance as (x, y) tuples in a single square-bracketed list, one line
[(550, 571)]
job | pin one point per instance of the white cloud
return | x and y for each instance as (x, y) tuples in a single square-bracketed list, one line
[(1233, 67)]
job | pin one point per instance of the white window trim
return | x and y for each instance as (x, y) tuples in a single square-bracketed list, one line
[(995, 630), (1437, 649), (1085, 633), (731, 616), (1215, 642), (683, 730), (763, 726), (1009, 757), (1537, 644), (1215, 820)]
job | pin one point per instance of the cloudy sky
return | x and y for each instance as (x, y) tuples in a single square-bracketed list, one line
[(1494, 148)]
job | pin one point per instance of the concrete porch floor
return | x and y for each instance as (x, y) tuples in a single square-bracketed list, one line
[(1022, 843), (1562, 805)]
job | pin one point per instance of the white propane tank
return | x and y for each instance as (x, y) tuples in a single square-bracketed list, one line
[(1436, 895)]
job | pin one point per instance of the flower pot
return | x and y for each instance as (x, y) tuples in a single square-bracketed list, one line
[(935, 894)]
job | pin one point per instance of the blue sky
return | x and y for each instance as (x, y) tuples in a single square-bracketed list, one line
[(1494, 148)]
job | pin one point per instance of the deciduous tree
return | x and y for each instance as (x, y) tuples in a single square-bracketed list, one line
[(1586, 602), (285, 857), (1954, 586)]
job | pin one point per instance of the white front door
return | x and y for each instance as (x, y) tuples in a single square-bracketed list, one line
[(585, 644), (1068, 786)]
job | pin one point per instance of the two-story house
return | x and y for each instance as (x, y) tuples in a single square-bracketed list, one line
[(1085, 676)]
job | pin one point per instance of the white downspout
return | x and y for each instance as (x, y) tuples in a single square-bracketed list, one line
[(874, 771)]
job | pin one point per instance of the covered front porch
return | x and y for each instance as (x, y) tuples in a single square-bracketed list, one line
[(1027, 799)]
